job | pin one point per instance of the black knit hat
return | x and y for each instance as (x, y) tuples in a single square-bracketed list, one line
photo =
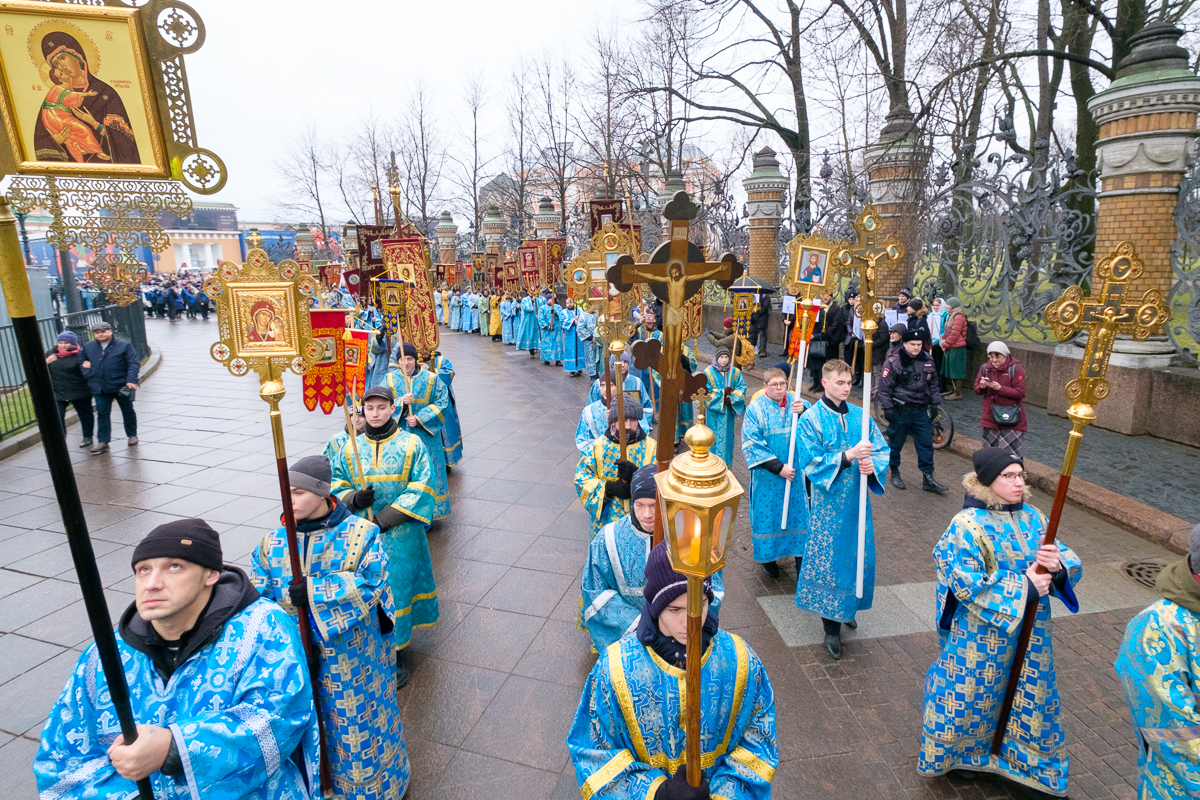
[(187, 539), (663, 584), (312, 474), (910, 335), (379, 390), (633, 409), (991, 461), (410, 349), (643, 485)]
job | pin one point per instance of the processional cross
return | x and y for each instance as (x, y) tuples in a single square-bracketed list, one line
[(675, 272), (866, 257), (1103, 316)]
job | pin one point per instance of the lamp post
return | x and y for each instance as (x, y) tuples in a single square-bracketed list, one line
[(698, 500)]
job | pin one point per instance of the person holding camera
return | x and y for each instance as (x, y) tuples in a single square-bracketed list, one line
[(1001, 382)]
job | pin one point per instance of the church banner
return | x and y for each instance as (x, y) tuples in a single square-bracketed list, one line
[(512, 278), (323, 383), (356, 348), (528, 258), (391, 303), (408, 258)]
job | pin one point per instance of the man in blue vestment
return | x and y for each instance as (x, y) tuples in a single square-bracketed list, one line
[(397, 491), (593, 421), (626, 742), (527, 330), (550, 321), (216, 675), (602, 477), (838, 459), (451, 428), (615, 572), (766, 436), (422, 403), (1159, 667), (348, 599)]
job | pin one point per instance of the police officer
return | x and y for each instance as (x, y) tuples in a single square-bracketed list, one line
[(908, 389)]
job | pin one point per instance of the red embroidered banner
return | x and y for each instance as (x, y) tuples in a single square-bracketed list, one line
[(323, 383), (357, 347), (529, 262)]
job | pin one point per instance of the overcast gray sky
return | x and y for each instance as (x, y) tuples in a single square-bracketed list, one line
[(267, 69)]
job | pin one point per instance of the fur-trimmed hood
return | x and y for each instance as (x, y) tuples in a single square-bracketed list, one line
[(987, 498)]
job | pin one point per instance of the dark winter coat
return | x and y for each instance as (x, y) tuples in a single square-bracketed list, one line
[(1011, 378), (919, 323), (759, 320), (66, 376), (111, 368), (908, 381)]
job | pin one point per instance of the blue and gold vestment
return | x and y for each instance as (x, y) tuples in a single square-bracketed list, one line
[(452, 429), (398, 466), (550, 326), (238, 709), (766, 434), (508, 312), (430, 403), (627, 737), (527, 327), (613, 579), (722, 417), (572, 348), (593, 422), (982, 592), (826, 585), (597, 466), (456, 312), (1159, 666), (351, 606)]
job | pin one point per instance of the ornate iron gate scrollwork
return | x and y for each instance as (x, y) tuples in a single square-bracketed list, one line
[(1184, 299)]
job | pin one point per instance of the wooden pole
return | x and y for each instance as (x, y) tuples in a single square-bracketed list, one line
[(1031, 606), (353, 431)]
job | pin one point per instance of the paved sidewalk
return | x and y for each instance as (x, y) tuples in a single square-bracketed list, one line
[(498, 680)]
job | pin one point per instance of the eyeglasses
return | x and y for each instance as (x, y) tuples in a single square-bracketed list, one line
[(777, 385), (1014, 476)]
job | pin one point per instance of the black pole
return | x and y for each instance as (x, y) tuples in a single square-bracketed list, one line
[(15, 283)]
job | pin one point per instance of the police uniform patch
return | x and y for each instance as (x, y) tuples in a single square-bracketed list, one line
[(885, 372)]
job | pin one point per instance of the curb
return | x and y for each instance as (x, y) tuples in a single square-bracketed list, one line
[(1139, 519), (33, 437)]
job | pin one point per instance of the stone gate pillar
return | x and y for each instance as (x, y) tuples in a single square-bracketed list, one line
[(896, 172), (1147, 120), (764, 189), (447, 236), (673, 184), (492, 228), (546, 220)]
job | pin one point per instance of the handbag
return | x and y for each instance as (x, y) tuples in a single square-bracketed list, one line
[(1006, 415), (817, 350)]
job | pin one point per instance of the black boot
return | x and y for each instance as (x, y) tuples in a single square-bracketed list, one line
[(772, 569), (897, 481), (852, 624), (403, 668), (930, 485), (799, 560)]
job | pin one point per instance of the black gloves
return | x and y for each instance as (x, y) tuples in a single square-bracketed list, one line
[(890, 415), (933, 413), (389, 518), (298, 593), (676, 787), (360, 499), (618, 489), (625, 470)]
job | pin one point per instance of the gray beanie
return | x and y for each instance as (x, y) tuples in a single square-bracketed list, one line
[(633, 409), (312, 474)]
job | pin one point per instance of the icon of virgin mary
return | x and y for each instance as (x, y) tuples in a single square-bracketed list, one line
[(82, 119)]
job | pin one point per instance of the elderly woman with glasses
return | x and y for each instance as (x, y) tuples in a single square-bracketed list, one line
[(988, 579)]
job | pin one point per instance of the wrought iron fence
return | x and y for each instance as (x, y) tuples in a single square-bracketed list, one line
[(16, 411), (1007, 240), (1184, 299)]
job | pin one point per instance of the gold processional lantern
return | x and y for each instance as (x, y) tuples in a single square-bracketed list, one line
[(698, 500)]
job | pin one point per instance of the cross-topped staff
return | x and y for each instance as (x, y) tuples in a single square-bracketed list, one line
[(244, 295), (1103, 316), (675, 272), (865, 258)]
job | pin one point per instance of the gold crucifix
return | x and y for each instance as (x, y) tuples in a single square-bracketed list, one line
[(1103, 316), (675, 272), (866, 257)]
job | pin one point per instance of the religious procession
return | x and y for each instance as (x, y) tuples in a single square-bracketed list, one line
[(604, 494)]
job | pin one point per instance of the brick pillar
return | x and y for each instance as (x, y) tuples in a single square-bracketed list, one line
[(546, 220), (764, 190), (447, 236), (895, 171), (1147, 120)]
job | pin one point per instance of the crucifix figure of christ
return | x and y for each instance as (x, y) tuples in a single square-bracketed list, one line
[(866, 257), (675, 272), (1103, 315)]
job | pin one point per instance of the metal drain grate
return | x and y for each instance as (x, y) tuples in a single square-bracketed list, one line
[(1143, 573)]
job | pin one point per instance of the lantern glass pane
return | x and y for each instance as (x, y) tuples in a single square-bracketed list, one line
[(688, 529), (721, 529)]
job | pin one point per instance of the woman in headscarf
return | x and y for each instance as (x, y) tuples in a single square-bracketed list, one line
[(82, 120)]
